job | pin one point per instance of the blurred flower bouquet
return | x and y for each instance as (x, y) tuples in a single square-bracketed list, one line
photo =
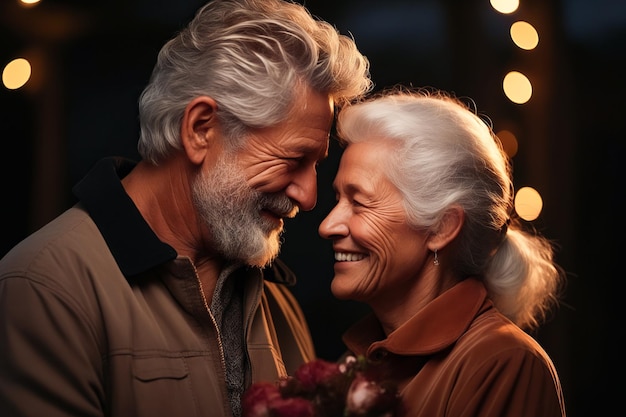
[(353, 388)]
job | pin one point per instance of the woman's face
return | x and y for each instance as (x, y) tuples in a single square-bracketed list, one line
[(378, 257)]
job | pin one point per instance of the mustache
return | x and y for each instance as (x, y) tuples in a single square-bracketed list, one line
[(278, 203)]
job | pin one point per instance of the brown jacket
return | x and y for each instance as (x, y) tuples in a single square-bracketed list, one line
[(100, 318), (459, 357)]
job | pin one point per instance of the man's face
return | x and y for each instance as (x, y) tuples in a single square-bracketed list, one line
[(244, 198)]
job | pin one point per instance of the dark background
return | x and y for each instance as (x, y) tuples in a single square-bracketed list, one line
[(97, 57)]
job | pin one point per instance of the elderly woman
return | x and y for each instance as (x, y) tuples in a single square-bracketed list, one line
[(422, 233)]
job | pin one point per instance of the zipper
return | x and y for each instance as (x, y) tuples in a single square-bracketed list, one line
[(217, 329)]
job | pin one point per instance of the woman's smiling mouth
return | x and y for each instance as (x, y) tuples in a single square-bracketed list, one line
[(348, 257)]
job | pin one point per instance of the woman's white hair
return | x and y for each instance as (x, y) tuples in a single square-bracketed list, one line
[(445, 155)]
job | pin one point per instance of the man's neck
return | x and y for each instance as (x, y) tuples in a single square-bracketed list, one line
[(162, 195)]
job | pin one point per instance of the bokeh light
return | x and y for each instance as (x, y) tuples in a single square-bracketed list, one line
[(524, 35), (528, 203), (509, 142), (505, 6), (517, 87), (16, 73)]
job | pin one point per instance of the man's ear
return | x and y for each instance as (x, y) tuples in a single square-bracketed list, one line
[(449, 228), (198, 128)]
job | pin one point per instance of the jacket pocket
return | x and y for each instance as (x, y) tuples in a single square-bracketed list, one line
[(158, 387), (150, 369)]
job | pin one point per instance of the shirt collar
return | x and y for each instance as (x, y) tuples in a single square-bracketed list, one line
[(134, 245), (438, 325)]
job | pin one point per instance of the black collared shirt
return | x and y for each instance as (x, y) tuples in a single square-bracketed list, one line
[(132, 242)]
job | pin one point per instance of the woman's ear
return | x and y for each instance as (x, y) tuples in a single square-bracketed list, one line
[(449, 228), (198, 128)]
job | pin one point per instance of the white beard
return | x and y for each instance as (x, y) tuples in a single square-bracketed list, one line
[(231, 210)]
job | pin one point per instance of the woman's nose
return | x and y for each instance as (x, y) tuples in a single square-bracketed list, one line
[(333, 226)]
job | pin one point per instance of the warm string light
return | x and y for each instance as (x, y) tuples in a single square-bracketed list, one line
[(505, 6), (518, 89), (16, 73), (524, 35), (528, 203)]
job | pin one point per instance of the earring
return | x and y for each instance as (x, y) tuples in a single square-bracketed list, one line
[(436, 260)]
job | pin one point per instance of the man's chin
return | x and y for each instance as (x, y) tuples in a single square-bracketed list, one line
[(262, 261), (269, 252)]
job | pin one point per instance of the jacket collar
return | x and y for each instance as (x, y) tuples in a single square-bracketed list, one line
[(135, 247), (437, 326)]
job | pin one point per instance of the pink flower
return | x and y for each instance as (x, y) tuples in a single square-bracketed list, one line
[(354, 388), (264, 399), (316, 372), (292, 407), (369, 398), (257, 400)]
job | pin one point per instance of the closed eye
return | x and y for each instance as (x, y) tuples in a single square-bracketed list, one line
[(357, 203)]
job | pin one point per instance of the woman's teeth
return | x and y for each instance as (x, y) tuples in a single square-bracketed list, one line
[(348, 257)]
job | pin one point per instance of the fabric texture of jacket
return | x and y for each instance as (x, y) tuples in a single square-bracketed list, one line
[(101, 318), (459, 357)]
